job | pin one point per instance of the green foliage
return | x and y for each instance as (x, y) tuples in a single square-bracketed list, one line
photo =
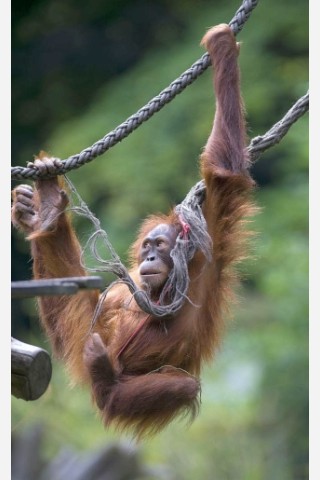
[(253, 421)]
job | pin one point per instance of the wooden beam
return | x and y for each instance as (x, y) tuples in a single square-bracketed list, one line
[(55, 286), (31, 370)]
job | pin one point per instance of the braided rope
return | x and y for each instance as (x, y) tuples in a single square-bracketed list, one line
[(273, 136), (146, 112)]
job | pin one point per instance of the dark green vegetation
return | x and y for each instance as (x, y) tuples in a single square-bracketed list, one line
[(253, 423)]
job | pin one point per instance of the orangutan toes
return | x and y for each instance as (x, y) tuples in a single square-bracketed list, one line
[(23, 212)]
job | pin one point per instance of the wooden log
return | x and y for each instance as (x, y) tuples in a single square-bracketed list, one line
[(31, 370), (54, 286)]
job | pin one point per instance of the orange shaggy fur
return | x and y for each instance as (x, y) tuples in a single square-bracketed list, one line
[(156, 377)]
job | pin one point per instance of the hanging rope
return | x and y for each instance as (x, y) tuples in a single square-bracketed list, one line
[(146, 112), (273, 136)]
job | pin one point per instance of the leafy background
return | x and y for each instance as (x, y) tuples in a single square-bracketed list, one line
[(81, 68)]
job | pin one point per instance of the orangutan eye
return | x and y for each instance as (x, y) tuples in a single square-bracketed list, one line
[(160, 242), (146, 244)]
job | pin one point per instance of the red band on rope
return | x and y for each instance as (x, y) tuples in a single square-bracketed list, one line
[(185, 228)]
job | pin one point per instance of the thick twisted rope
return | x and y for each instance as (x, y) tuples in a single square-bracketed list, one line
[(146, 112), (273, 136)]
